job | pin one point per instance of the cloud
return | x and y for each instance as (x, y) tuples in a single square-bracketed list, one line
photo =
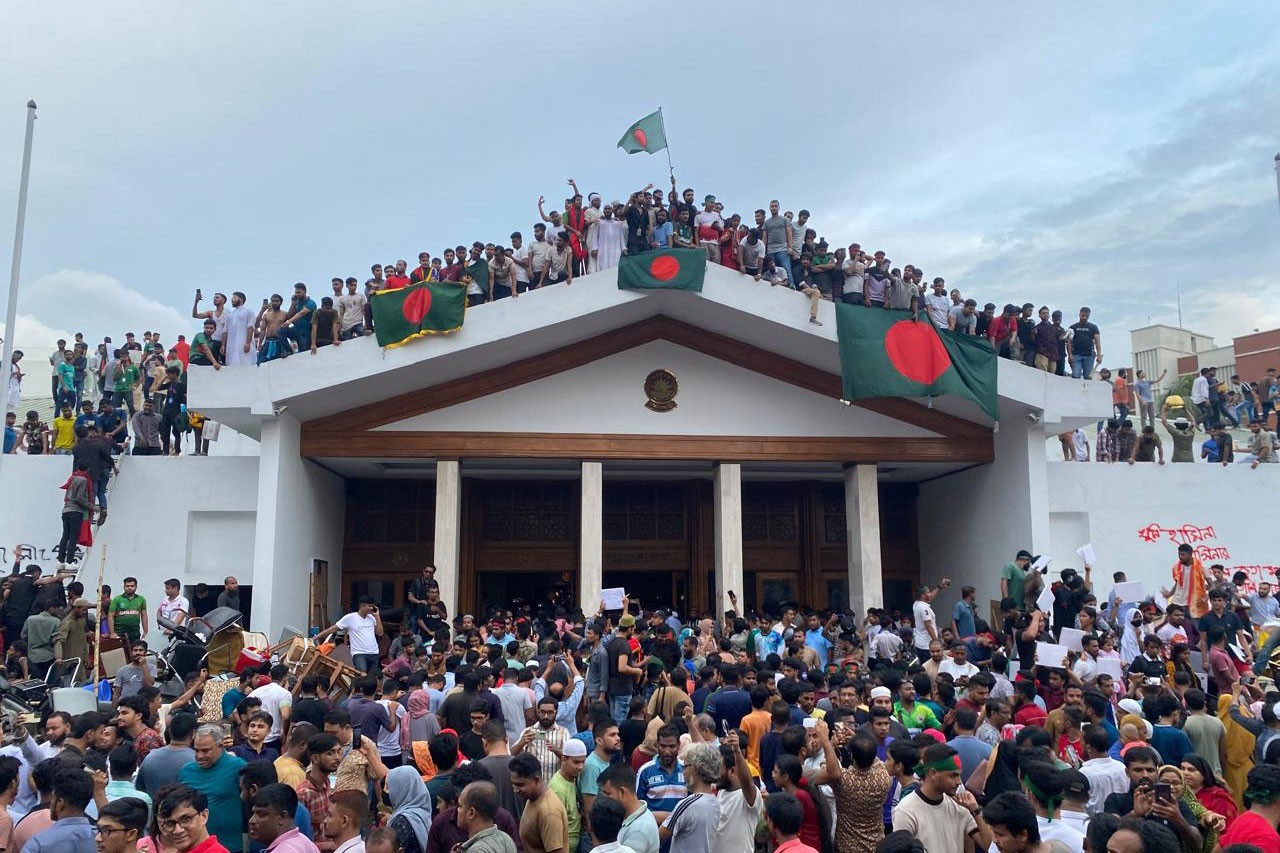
[(97, 305), (34, 335)]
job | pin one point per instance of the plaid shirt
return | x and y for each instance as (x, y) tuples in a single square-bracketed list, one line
[(316, 801), (1108, 442)]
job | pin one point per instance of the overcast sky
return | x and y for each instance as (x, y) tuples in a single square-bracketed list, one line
[(1079, 153)]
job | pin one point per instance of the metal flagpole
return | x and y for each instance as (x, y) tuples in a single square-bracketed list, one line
[(11, 313), (666, 143)]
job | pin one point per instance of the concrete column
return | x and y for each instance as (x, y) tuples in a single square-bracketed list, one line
[(591, 537), (862, 524), (279, 574), (448, 539), (728, 521)]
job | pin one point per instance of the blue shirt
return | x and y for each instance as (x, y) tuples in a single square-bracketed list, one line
[(10, 438), (1212, 452), (818, 641), (1171, 742), (221, 784), (727, 707), (659, 789), (69, 835), (962, 613), (303, 325), (661, 234), (92, 421), (972, 753)]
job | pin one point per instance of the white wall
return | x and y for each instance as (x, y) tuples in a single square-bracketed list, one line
[(715, 398), (190, 517), (973, 522), (301, 516)]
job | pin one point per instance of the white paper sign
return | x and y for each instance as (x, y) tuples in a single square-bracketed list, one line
[(1051, 654), (1197, 661), (1087, 556), (1130, 591), (1045, 601), (613, 597), (1042, 562), (1071, 638), (1111, 667)]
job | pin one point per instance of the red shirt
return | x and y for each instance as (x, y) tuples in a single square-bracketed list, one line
[(1251, 828), (183, 349), (395, 282), (1030, 715), (1000, 329), (209, 845)]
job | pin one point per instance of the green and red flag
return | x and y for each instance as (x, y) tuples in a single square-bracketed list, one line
[(665, 269), (648, 135), (429, 308), (887, 353)]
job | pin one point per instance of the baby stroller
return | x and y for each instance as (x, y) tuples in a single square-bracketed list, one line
[(201, 641)]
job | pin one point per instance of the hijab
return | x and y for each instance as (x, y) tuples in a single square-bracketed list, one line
[(410, 800)]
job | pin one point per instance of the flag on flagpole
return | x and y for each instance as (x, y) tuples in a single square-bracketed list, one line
[(645, 135)]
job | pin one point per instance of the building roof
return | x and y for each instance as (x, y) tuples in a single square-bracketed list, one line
[(766, 319)]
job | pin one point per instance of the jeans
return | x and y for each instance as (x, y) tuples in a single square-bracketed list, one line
[(293, 333), (356, 331), (100, 489), (782, 260), (146, 451), (169, 426), (368, 664), (1081, 366), (852, 297), (619, 708), (71, 536), (1122, 411)]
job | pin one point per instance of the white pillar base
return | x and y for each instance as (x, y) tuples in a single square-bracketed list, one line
[(448, 538), (728, 527), (591, 537), (862, 523)]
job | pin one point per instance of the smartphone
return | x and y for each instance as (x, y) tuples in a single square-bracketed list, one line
[(355, 738), (1164, 792)]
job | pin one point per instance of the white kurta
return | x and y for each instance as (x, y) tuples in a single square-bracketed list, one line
[(15, 389), (239, 326), (611, 239)]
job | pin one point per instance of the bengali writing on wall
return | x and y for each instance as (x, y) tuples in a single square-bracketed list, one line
[(1207, 549)]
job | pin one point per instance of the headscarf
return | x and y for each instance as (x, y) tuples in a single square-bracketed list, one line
[(409, 799), (1240, 744), (1201, 814), (419, 704)]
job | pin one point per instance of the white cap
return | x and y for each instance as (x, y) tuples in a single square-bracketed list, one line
[(881, 693), (574, 748)]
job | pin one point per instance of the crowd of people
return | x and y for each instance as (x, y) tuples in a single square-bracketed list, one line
[(1074, 721)]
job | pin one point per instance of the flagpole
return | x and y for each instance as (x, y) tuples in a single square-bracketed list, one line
[(667, 139), (11, 313)]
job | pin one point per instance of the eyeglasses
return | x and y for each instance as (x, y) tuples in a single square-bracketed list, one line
[(107, 830), (186, 822)]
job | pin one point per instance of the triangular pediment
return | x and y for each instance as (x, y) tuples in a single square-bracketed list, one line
[(732, 400)]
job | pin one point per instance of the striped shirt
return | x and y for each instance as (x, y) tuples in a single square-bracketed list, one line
[(659, 789), (540, 747)]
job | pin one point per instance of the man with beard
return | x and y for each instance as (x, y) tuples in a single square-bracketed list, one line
[(239, 329), (270, 318), (544, 826), (660, 783)]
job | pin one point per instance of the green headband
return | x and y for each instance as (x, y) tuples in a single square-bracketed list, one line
[(944, 765), (1050, 803), (1260, 796)]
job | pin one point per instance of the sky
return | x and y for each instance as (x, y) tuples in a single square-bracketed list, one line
[(1075, 154)]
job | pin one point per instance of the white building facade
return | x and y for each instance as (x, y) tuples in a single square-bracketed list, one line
[(519, 456)]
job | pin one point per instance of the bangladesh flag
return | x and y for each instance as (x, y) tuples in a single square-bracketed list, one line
[(665, 269), (648, 135), (888, 354), (429, 308)]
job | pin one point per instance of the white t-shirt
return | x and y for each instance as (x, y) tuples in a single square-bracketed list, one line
[(886, 645), (274, 697), (1056, 830), (351, 309), (362, 634), (1171, 634), (389, 741), (736, 829), (956, 670), (853, 271), (941, 827), (708, 219), (752, 256), (939, 307), (169, 608), (1081, 443), (520, 256), (921, 612)]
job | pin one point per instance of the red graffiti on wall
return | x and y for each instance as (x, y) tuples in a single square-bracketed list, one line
[(1209, 553)]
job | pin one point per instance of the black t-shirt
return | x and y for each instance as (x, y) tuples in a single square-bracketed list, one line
[(1148, 667), (309, 710), (632, 734), (1082, 338), (1229, 622), (1026, 648), (325, 318), (619, 685), (638, 226)]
